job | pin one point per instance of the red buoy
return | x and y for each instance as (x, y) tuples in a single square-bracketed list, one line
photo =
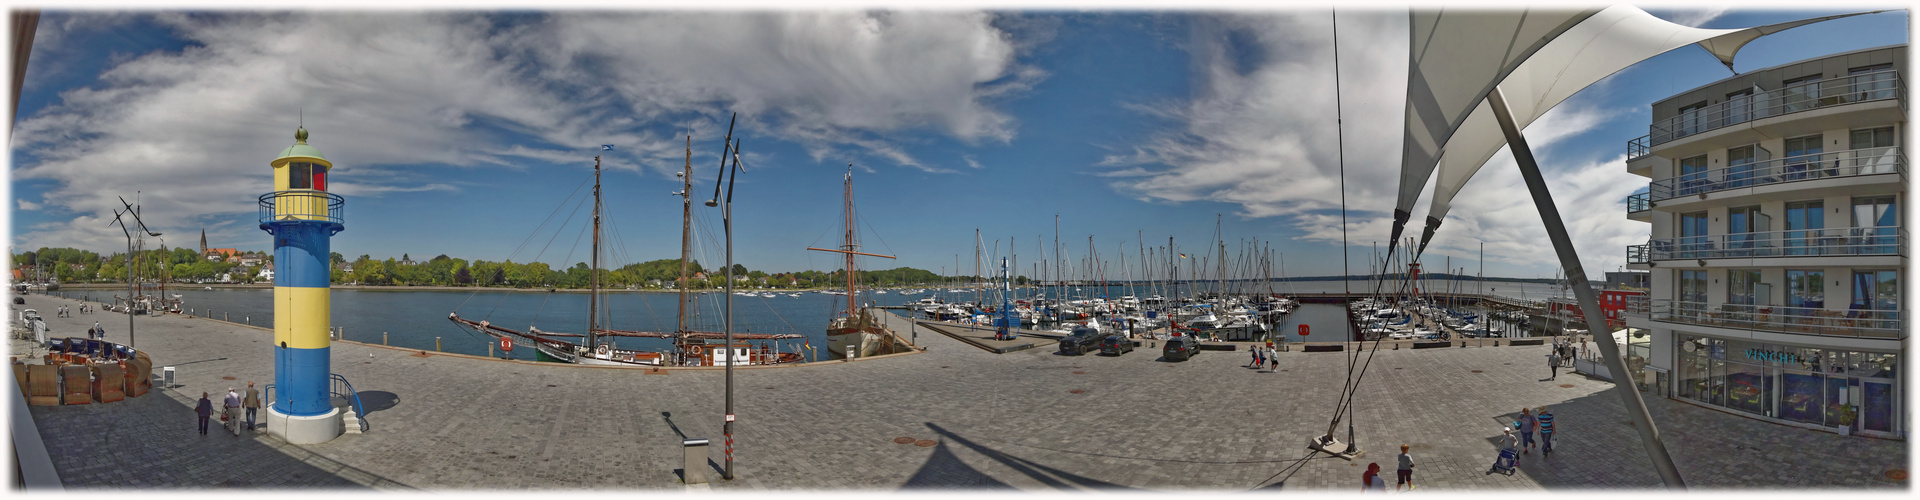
[(506, 344)]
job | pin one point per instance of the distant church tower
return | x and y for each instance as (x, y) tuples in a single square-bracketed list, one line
[(203, 243)]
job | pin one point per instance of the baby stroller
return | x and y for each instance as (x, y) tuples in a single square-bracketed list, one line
[(1505, 463)]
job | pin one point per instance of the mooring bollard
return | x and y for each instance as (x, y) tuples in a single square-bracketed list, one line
[(489, 349), (436, 344), (383, 338)]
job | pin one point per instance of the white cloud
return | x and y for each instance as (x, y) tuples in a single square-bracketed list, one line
[(1696, 18), (1252, 137), (28, 205), (386, 89)]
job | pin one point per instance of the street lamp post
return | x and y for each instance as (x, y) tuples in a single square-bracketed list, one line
[(726, 218), (129, 209)]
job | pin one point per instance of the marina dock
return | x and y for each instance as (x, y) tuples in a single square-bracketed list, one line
[(950, 418)]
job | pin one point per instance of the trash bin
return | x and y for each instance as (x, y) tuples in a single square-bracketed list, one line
[(695, 470), (167, 376)]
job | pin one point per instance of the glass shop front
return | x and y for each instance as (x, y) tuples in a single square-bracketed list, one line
[(1793, 383)]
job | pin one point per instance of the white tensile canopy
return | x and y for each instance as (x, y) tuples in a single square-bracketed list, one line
[(1601, 44), (1455, 58)]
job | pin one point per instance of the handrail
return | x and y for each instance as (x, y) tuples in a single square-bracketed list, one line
[(352, 397), (1638, 147), (302, 205), (1845, 241), (1639, 202), (1858, 323), (1866, 161), (1865, 87), (1638, 254)]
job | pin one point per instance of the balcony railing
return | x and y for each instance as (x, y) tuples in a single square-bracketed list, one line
[(1638, 147), (1637, 254), (1864, 323), (302, 205), (1869, 161), (1875, 86), (1849, 241), (1639, 202), (1638, 305)]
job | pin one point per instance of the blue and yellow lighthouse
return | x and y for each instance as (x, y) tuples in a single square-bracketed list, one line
[(302, 217)]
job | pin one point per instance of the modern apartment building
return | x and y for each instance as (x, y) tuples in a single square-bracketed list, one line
[(1777, 246)]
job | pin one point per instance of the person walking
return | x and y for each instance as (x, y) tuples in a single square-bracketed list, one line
[(1254, 354), (96, 328), (251, 403), (1553, 364), (1527, 423), (1546, 431), (1273, 357), (232, 410), (205, 410), (1370, 480), (1406, 470)]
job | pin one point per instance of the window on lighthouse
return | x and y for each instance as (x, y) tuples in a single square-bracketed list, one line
[(319, 177), (300, 175)]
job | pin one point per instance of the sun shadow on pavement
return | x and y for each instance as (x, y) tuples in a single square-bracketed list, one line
[(1050, 477)]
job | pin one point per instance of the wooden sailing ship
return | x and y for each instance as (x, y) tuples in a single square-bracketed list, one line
[(690, 347), (855, 330)]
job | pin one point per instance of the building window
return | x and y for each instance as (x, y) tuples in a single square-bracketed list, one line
[(1740, 166), (1806, 291), (1693, 235), (1693, 175), (1803, 154), (1871, 82), (1800, 94), (1873, 152), (1738, 104), (1875, 225), (1742, 225), (1742, 287), (1690, 119), (1804, 221)]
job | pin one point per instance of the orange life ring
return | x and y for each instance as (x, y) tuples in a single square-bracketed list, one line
[(506, 344), (696, 350)]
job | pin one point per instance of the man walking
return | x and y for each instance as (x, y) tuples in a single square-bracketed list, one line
[(1546, 431), (1406, 470), (1527, 424), (233, 411), (1553, 364), (205, 409), (96, 328), (1273, 357), (251, 403)]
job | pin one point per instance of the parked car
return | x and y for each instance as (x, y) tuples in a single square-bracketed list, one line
[(1082, 340), (1115, 345), (1181, 348)]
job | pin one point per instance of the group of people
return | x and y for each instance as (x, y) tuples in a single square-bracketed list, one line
[(231, 409), (64, 312), (1559, 355), (1530, 423), (1370, 481), (1264, 356)]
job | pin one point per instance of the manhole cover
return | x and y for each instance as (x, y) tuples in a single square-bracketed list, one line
[(1283, 370), (1396, 368), (903, 440), (513, 456), (226, 378), (1566, 386), (1077, 391), (551, 385), (1478, 371), (366, 362), (943, 367), (1895, 474), (1079, 373), (925, 443)]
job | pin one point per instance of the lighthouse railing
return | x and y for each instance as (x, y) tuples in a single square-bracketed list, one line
[(302, 205)]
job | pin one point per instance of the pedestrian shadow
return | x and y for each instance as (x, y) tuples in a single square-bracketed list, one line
[(1050, 477)]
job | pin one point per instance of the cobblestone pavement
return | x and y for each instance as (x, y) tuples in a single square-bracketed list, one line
[(1028, 420)]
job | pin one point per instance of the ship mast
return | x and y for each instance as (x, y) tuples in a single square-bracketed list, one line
[(593, 276), (686, 236), (850, 247)]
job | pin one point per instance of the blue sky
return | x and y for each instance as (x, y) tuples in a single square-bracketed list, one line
[(459, 132)]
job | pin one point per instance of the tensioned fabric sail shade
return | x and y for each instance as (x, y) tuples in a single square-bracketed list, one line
[(1600, 45)]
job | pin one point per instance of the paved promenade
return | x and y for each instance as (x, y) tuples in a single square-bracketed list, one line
[(1027, 420)]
